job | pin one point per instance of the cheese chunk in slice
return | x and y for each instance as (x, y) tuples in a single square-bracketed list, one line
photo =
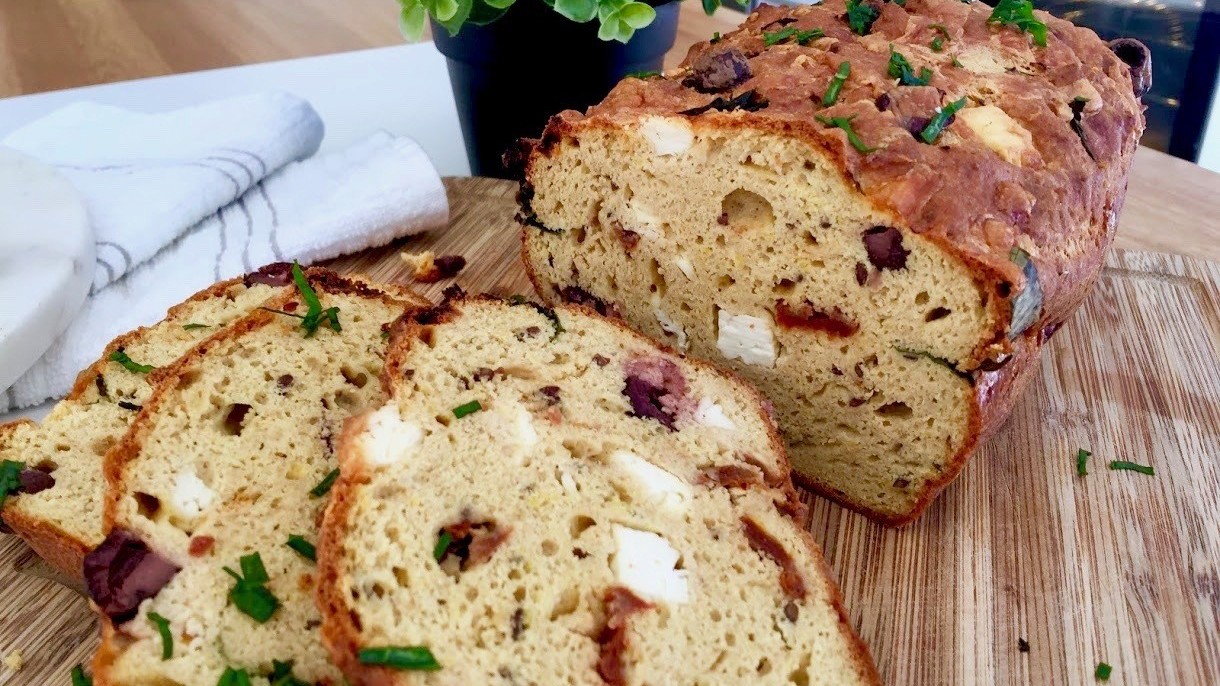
[(389, 438), (656, 486), (745, 337), (644, 562)]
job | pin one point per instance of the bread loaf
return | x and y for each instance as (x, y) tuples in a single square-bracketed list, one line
[(550, 498), (60, 514), (214, 491), (876, 212)]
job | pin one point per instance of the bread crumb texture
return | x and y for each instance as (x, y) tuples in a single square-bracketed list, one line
[(15, 660), (550, 498), (220, 465), (884, 270)]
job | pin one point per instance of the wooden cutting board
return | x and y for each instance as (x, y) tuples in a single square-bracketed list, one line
[(1115, 566)]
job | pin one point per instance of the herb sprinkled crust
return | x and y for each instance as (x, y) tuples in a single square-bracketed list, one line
[(549, 497), (891, 206)]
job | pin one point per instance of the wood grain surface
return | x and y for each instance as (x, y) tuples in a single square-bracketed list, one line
[(1114, 566)]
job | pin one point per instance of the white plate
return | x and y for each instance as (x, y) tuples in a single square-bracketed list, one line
[(46, 260)]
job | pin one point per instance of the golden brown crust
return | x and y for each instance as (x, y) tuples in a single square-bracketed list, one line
[(340, 632)]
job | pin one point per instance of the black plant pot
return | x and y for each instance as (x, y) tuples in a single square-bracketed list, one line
[(508, 77)]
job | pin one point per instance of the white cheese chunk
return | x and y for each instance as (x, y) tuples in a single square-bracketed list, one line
[(191, 495), (667, 135), (671, 327), (998, 131), (684, 265), (745, 337), (527, 435), (389, 439), (657, 487), (710, 413), (644, 562)]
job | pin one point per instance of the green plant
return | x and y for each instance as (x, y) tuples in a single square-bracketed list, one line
[(619, 19)]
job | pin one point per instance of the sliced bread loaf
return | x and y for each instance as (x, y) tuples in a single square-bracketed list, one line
[(58, 511), (550, 498), (214, 491)]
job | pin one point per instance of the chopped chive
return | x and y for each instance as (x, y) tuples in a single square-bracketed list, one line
[(10, 478), (1102, 673), (716, 37), (957, 63), (643, 75), (303, 547), (250, 594), (802, 37), (844, 123), (192, 326), (130, 364), (901, 69), (932, 131), (325, 484), (167, 636), (1132, 467), (860, 17), (1082, 462), (79, 678), (442, 545), (281, 675), (417, 658), (836, 84), (315, 316), (234, 677), (467, 408), (1019, 13)]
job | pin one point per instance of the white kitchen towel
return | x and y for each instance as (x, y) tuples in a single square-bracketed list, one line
[(367, 195), (147, 178)]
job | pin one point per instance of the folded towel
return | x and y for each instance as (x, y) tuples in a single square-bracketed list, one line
[(146, 178), (335, 204)]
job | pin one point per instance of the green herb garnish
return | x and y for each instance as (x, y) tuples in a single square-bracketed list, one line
[(938, 122), (957, 63), (1019, 13), (902, 70), (716, 37), (1082, 462), (234, 677), (442, 545), (642, 75), (836, 84), (802, 37), (1102, 673), (845, 124), (315, 316), (79, 678), (1132, 467), (167, 636), (192, 326), (860, 17), (130, 364), (467, 408), (325, 484), (416, 658), (281, 675), (250, 594), (303, 547), (10, 478), (938, 43)]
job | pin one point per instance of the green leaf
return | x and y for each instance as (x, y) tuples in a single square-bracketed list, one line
[(1122, 465), (710, 6), (1102, 673), (303, 547), (443, 10), (637, 15), (613, 29), (249, 594), (940, 120), (579, 11), (79, 678), (411, 20), (130, 364), (325, 484), (315, 316), (483, 13), (1019, 13), (498, 4), (10, 478), (901, 69), (844, 123), (416, 658), (861, 16), (606, 8), (454, 23), (1082, 462), (167, 636), (234, 677)]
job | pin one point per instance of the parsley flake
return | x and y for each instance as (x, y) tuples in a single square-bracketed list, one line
[(130, 364), (1019, 13), (845, 124), (938, 43), (716, 37), (79, 678), (1102, 673), (902, 70), (1122, 465), (442, 545), (167, 636), (303, 547), (10, 478), (192, 326), (417, 658), (958, 63), (836, 84), (281, 675), (860, 17), (802, 37), (315, 316), (938, 123), (234, 677), (1082, 462), (250, 593), (325, 484), (467, 408)]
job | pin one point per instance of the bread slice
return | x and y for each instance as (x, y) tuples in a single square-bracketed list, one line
[(791, 202), (63, 521), (225, 461), (551, 498)]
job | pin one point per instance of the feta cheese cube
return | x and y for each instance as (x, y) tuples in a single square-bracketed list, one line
[(710, 413), (657, 487), (671, 327), (745, 337), (685, 266), (644, 562), (389, 439), (191, 496), (667, 135)]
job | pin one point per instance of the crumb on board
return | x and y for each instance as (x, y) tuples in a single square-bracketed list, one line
[(426, 267), (14, 660)]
